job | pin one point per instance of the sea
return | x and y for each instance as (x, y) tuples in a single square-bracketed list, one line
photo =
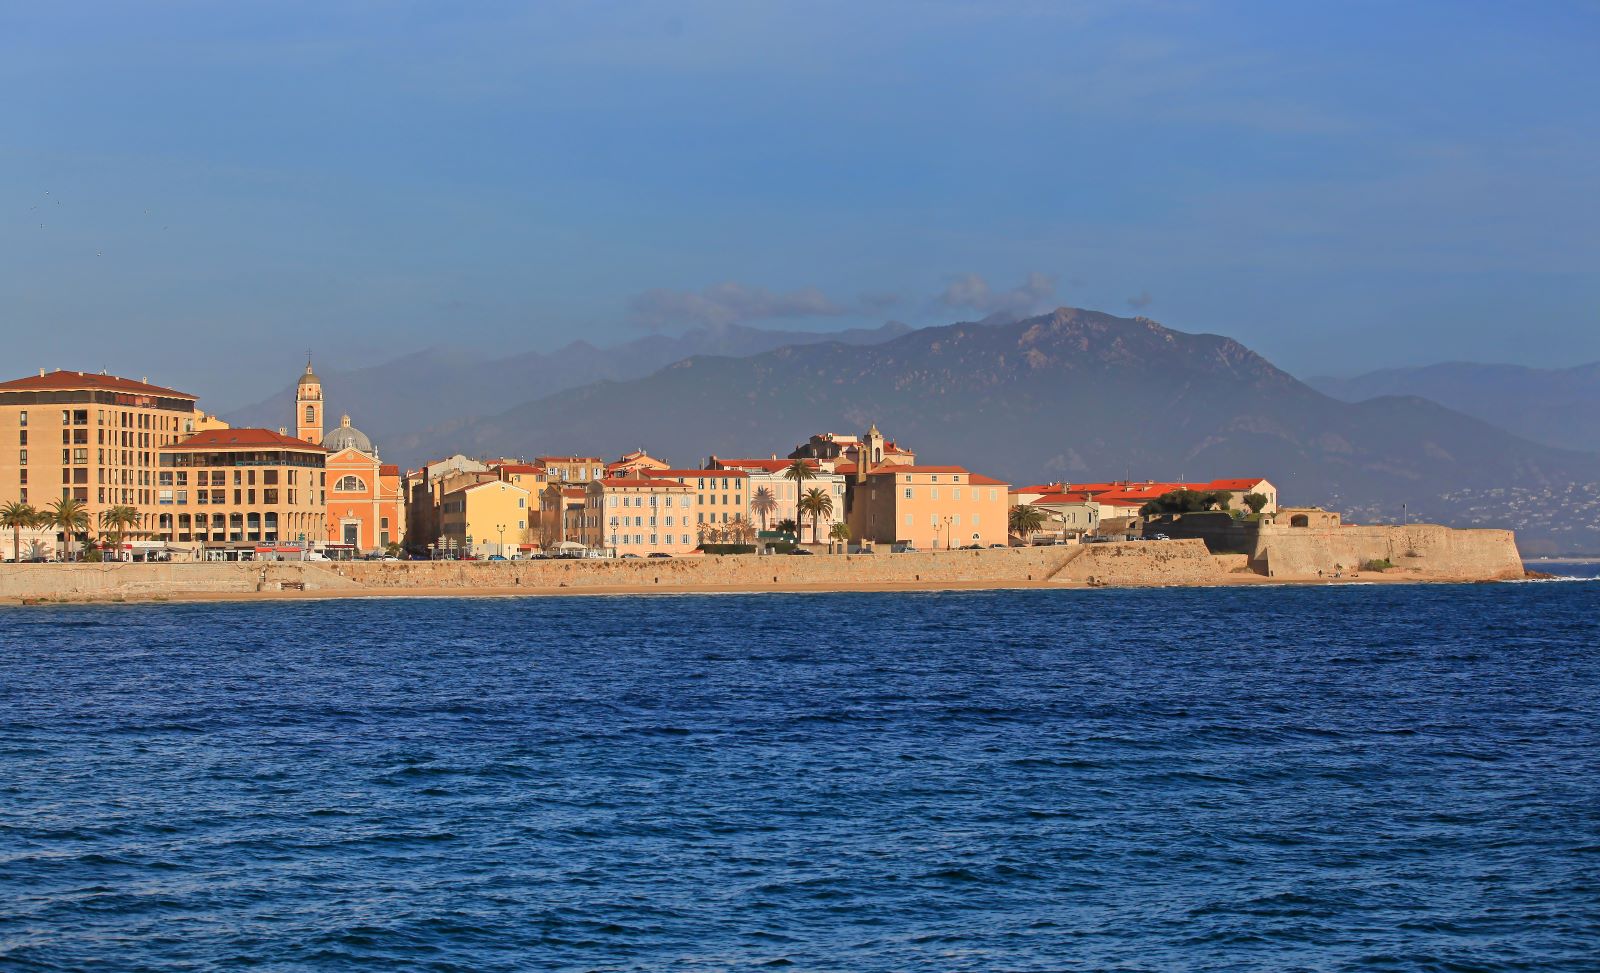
[(1350, 778)]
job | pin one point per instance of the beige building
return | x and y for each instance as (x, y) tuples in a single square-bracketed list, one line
[(768, 474), (927, 507), (230, 491), (424, 489), (640, 515), (485, 519), (832, 449), (92, 437)]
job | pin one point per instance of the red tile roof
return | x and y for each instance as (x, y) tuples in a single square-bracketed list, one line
[(698, 473), (519, 468), (64, 381), (244, 439), (982, 480), (546, 460), (891, 468), (770, 465), (617, 482), (388, 469), (1050, 498)]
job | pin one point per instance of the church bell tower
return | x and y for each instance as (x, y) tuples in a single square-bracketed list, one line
[(308, 406)]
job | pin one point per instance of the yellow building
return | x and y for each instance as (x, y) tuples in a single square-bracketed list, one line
[(92, 437), (484, 519), (639, 514), (228, 492), (575, 470), (927, 507)]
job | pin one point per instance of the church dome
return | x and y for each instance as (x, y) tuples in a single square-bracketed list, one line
[(346, 437), (310, 377)]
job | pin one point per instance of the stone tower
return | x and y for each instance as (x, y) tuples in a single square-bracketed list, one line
[(308, 407)]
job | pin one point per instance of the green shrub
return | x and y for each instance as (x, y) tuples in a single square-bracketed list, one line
[(1377, 564)]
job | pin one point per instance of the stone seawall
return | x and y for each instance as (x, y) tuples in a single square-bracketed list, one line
[(1425, 550), (1173, 562)]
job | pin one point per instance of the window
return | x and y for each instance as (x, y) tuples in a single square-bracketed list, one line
[(311, 415), (908, 493), (908, 520), (955, 494), (22, 458), (22, 418), (522, 503), (934, 492)]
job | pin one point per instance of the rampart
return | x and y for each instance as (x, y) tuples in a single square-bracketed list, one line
[(1426, 550)]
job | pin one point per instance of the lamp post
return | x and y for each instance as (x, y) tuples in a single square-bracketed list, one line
[(467, 546), (501, 549), (948, 522)]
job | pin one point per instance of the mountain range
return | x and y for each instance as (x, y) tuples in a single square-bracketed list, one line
[(1555, 406), (1070, 395), (427, 395)]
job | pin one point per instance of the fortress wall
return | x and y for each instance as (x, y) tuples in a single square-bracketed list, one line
[(995, 566), (1145, 562), (1423, 549), (141, 580)]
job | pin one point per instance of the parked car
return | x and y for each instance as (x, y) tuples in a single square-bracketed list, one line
[(659, 554), (973, 547), (634, 556), (1159, 537), (496, 557), (799, 550)]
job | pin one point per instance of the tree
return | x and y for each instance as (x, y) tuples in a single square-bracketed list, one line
[(1025, 519), (69, 516), (1186, 502), (818, 504), (798, 473), (763, 504), (17, 515), (840, 532), (1255, 501), (788, 526), (116, 521), (742, 530)]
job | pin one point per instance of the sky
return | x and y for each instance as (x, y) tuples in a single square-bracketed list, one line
[(200, 192)]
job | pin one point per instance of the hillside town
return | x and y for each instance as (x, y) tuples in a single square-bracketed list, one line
[(140, 472)]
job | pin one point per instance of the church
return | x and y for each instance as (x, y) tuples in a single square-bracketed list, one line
[(365, 511)]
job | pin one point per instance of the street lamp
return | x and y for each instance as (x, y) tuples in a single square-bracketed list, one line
[(948, 521), (501, 550)]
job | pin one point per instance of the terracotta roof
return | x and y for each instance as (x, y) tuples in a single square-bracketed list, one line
[(492, 483), (1247, 483), (770, 465), (388, 469), (1051, 498), (697, 473), (244, 439), (889, 468), (64, 381), (519, 468), (615, 482), (1040, 488), (545, 460), (982, 480)]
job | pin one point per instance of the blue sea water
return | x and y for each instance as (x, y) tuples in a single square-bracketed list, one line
[(1355, 778)]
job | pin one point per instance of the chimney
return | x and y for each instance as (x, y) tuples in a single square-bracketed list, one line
[(41, 373)]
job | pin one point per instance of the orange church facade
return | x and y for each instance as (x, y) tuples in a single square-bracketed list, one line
[(365, 505)]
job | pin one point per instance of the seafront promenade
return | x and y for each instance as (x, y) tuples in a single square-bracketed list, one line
[(1476, 556)]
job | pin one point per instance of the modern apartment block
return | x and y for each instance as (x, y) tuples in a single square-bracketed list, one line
[(90, 436), (228, 490)]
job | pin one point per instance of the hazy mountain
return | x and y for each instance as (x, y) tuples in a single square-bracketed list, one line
[(430, 393), (1073, 394), (1556, 406)]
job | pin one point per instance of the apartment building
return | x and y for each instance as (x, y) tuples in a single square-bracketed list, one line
[(231, 490), (89, 436)]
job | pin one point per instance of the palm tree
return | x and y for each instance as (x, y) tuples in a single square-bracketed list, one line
[(798, 473), (116, 521), (840, 532), (763, 504), (1025, 520), (818, 504), (741, 529), (69, 516), (788, 526), (17, 515)]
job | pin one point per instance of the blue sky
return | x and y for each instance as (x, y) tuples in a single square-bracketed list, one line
[(198, 192)]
